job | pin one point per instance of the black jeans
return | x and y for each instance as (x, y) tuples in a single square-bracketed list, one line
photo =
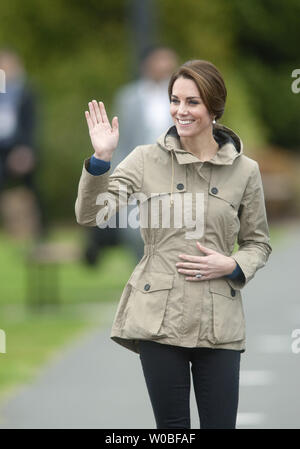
[(216, 383)]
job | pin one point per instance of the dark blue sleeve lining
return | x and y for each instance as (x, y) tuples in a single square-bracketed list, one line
[(237, 272), (98, 166)]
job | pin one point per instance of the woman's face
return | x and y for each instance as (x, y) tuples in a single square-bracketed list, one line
[(188, 111)]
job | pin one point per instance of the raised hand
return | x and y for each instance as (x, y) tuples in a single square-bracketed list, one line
[(104, 137)]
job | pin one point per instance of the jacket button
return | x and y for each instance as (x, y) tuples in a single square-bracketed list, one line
[(214, 190), (232, 292), (180, 186), (146, 287)]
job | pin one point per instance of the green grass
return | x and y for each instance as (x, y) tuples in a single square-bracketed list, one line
[(78, 282), (34, 338), (32, 341)]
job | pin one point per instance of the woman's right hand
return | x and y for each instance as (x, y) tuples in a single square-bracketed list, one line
[(104, 137)]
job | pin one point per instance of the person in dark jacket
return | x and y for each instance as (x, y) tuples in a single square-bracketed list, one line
[(18, 155)]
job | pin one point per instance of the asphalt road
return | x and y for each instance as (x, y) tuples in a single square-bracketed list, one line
[(95, 383)]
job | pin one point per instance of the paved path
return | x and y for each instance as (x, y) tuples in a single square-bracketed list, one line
[(96, 383)]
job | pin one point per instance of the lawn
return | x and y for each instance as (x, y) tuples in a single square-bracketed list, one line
[(78, 282)]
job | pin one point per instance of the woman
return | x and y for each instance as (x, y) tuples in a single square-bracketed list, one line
[(183, 301)]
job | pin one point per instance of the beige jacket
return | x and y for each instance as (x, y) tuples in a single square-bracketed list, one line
[(226, 197)]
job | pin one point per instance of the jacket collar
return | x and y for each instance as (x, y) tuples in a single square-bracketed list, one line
[(230, 146)]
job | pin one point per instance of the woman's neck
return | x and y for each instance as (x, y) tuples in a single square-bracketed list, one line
[(202, 146)]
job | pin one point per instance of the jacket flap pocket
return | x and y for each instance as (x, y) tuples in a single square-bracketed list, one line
[(228, 197), (160, 196), (150, 281), (222, 287), (225, 193)]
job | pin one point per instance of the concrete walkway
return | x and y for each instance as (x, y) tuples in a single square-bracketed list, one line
[(96, 383)]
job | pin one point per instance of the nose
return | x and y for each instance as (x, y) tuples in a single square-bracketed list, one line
[(182, 109)]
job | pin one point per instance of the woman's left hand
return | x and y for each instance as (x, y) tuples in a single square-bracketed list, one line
[(212, 265)]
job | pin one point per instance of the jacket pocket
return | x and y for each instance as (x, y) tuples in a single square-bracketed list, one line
[(147, 304), (228, 321)]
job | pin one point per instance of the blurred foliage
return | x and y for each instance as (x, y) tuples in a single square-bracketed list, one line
[(204, 30), (267, 36), (75, 51)]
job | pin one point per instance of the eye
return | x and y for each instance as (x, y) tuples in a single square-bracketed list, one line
[(173, 100), (194, 102)]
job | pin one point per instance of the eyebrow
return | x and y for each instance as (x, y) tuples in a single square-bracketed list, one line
[(172, 95)]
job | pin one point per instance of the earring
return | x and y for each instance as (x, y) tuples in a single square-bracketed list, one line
[(214, 121)]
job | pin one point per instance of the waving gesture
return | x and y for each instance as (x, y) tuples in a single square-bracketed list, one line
[(104, 137)]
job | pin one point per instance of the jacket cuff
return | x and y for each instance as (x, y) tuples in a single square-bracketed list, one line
[(90, 185), (89, 167), (89, 188), (246, 272), (236, 272), (98, 167)]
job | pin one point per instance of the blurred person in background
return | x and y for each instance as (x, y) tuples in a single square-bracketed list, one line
[(142, 106), (18, 156)]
